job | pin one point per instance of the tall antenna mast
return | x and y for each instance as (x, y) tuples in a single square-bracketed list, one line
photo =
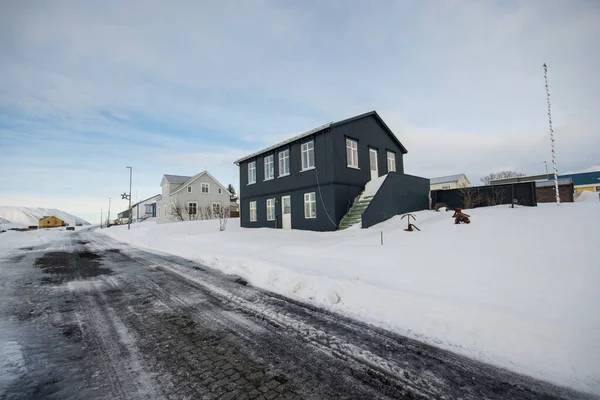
[(551, 136)]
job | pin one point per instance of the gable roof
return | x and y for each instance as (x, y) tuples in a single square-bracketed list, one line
[(446, 179), (176, 178), (324, 128), (196, 177), (149, 198)]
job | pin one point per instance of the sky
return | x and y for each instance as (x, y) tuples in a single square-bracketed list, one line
[(88, 88)]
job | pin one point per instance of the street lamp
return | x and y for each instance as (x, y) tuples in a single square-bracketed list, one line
[(129, 219)]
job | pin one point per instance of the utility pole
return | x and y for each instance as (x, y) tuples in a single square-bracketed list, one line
[(108, 218), (101, 216), (129, 219), (546, 164), (552, 137)]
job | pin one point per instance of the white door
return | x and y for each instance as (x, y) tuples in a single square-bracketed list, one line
[(373, 164), (286, 212)]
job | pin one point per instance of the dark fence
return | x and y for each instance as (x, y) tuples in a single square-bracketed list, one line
[(482, 196), (398, 194)]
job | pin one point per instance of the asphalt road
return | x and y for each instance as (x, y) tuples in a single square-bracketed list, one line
[(89, 318)]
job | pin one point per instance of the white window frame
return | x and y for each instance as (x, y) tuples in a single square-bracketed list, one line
[(270, 209), (195, 203), (308, 148), (253, 211), (310, 200), (212, 206), (251, 172), (391, 159), (219, 190), (284, 158), (203, 185), (189, 189), (352, 153), (269, 164)]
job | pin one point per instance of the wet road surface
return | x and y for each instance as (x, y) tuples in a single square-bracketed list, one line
[(90, 318)]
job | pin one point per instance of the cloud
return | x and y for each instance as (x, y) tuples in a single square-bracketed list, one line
[(177, 87)]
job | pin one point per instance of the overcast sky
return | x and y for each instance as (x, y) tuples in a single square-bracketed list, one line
[(88, 87)]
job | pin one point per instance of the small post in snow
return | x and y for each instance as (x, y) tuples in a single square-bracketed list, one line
[(382, 238)]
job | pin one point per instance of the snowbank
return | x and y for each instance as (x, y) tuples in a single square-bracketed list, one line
[(27, 216), (587, 196), (517, 287)]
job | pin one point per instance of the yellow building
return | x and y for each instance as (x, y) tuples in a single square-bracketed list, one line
[(50, 222)]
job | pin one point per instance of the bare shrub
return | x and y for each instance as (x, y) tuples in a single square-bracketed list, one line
[(496, 198), (178, 211), (470, 197)]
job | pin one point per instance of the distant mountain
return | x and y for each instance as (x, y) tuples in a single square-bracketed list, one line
[(27, 216)]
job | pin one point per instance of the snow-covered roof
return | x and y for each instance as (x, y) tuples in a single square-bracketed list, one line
[(594, 168), (322, 128), (446, 179), (561, 181), (156, 196), (176, 178)]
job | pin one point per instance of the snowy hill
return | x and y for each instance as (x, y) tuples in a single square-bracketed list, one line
[(25, 216)]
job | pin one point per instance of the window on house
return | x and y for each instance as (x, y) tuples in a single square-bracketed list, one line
[(192, 208), (269, 168), (308, 155), (270, 209), (148, 208), (251, 172), (284, 163), (391, 161), (189, 189), (216, 208), (220, 191), (205, 187), (252, 211), (310, 205), (352, 153)]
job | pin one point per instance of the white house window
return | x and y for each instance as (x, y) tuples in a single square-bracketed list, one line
[(189, 189), (352, 153), (205, 187), (252, 211), (269, 167), (308, 155), (270, 209), (216, 208), (192, 208), (284, 163), (148, 209), (391, 160), (310, 205), (220, 190), (251, 172)]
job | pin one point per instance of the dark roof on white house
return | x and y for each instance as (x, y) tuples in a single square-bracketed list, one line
[(445, 179), (176, 178), (321, 129)]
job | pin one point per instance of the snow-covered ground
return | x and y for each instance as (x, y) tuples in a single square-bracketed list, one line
[(516, 287), (26, 216)]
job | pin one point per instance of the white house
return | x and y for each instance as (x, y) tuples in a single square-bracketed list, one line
[(144, 209), (190, 197), (449, 182)]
